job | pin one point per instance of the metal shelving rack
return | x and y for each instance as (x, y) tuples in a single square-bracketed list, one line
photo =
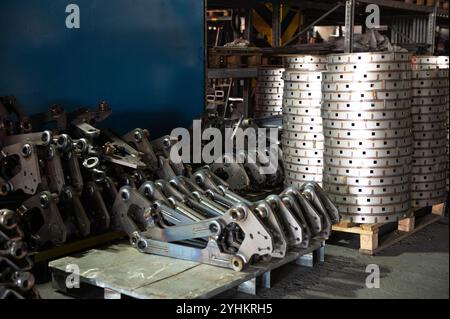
[(422, 18), (412, 23), (409, 23)]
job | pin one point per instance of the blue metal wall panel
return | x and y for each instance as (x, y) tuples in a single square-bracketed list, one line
[(145, 57)]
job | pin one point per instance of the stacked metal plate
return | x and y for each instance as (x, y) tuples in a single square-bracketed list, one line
[(443, 63), (269, 92), (429, 62), (302, 135), (429, 104), (367, 129)]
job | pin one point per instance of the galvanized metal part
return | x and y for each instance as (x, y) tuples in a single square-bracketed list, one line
[(269, 92), (16, 280), (302, 134), (430, 125), (367, 135)]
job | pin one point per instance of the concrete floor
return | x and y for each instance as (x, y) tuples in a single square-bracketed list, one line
[(417, 267)]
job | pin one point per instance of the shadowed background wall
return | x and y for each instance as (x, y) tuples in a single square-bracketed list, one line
[(145, 57)]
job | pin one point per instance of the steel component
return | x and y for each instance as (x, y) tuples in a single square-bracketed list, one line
[(430, 123), (367, 135), (269, 92), (302, 136), (15, 263), (158, 237)]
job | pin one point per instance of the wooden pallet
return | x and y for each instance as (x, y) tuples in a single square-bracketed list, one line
[(370, 241), (120, 271)]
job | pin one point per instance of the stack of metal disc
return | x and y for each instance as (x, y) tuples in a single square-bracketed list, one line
[(429, 62), (302, 134), (443, 63), (429, 104), (367, 129), (269, 92)]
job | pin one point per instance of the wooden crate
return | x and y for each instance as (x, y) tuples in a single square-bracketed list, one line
[(370, 241), (120, 271)]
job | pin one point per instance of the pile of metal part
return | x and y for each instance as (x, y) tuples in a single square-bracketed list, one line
[(16, 281), (302, 135), (430, 123), (430, 62), (79, 179), (367, 128), (200, 219), (51, 179), (244, 176), (269, 92)]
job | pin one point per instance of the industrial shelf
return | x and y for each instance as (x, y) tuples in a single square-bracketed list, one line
[(239, 73)]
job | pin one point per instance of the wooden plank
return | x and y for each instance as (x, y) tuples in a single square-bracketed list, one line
[(345, 224), (369, 242), (371, 227), (438, 209), (406, 224), (397, 235), (352, 230)]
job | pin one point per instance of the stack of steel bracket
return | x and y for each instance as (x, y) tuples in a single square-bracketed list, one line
[(78, 179), (49, 178), (269, 92), (16, 281), (302, 136), (367, 128), (430, 123)]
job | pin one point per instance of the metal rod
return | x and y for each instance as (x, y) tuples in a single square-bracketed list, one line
[(276, 24), (403, 35), (349, 25), (326, 14), (431, 30)]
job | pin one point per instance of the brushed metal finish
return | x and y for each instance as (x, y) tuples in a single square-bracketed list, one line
[(269, 92), (368, 145), (302, 135), (429, 108)]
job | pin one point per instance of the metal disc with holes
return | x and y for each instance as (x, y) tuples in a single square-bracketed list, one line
[(269, 92), (429, 107), (302, 137), (430, 62), (367, 135)]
